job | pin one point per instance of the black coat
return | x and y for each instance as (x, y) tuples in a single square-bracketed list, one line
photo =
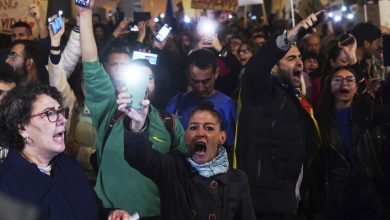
[(184, 194), (276, 136)]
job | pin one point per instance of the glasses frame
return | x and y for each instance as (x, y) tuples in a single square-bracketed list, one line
[(61, 110), (12, 55), (342, 79)]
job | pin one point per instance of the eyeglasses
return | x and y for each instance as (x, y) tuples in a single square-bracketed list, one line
[(52, 114), (13, 55), (244, 51), (204, 82), (350, 80)]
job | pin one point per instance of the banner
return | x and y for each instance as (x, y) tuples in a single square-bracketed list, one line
[(223, 5), (384, 13), (12, 11), (249, 2)]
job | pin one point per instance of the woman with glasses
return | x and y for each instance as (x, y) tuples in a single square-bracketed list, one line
[(32, 126), (349, 161)]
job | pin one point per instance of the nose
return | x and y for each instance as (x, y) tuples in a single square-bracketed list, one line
[(299, 62), (8, 60), (61, 120)]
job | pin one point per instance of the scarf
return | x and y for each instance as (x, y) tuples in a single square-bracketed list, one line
[(218, 165)]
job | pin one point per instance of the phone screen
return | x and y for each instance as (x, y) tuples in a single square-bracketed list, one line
[(136, 81), (82, 3), (133, 27), (56, 24), (163, 33), (151, 57)]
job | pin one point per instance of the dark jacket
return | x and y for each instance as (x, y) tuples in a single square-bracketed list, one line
[(275, 135), (65, 195), (184, 194), (341, 181)]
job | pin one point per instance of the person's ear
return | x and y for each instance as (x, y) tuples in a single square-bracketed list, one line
[(29, 63), (366, 44), (275, 69), (222, 138), (22, 130)]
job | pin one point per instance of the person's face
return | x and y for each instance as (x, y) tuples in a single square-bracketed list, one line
[(46, 137), (343, 87), (95, 19), (290, 67), (16, 59), (4, 88), (203, 135), (309, 65), (114, 63), (20, 33), (244, 54), (371, 47), (234, 44), (185, 41), (314, 44), (260, 41), (341, 60), (99, 33), (202, 80)]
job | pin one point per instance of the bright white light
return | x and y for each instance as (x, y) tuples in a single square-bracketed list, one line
[(253, 17), (330, 14), (162, 15), (230, 16), (207, 27), (343, 8), (350, 16), (60, 12), (156, 20), (337, 18), (187, 19)]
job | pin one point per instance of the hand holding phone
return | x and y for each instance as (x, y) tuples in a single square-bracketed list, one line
[(56, 23), (302, 31), (163, 33)]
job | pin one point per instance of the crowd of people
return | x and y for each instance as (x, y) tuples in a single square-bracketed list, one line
[(242, 121)]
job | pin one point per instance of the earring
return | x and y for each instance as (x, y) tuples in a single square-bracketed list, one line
[(27, 139)]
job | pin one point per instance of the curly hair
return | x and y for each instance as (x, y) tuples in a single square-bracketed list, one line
[(16, 109)]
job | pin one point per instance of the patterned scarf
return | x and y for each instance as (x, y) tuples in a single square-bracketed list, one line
[(218, 165)]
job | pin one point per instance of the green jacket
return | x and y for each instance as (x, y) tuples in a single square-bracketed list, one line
[(119, 185)]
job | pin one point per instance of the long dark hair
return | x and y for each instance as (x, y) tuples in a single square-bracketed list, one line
[(325, 116)]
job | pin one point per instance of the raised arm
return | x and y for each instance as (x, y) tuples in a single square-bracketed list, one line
[(87, 40)]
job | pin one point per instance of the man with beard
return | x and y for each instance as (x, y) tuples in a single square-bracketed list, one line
[(26, 59), (117, 183), (277, 135), (202, 73)]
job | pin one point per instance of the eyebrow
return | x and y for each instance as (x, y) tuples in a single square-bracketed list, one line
[(199, 123)]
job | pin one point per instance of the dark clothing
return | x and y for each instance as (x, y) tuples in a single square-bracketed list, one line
[(66, 194), (184, 194), (349, 178), (276, 136)]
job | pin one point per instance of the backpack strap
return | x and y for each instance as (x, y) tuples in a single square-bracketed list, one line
[(169, 122), (116, 116)]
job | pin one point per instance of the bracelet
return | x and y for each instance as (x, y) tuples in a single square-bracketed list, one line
[(55, 48)]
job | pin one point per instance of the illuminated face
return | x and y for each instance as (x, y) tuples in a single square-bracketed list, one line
[(21, 33), (290, 67), (203, 135), (46, 137), (114, 64), (343, 87), (202, 81), (244, 54)]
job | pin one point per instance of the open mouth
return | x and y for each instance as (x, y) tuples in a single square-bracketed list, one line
[(59, 136), (344, 91), (297, 73), (200, 147)]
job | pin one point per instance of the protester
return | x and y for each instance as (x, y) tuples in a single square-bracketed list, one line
[(277, 135), (118, 184), (198, 185), (32, 124), (350, 155)]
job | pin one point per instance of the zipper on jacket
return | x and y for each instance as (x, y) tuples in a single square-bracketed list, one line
[(346, 161)]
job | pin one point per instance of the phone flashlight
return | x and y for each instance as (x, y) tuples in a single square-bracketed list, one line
[(207, 27), (136, 79)]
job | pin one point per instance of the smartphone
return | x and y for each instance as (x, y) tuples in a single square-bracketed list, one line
[(82, 3), (141, 16), (56, 24), (207, 27), (163, 33), (133, 27), (136, 82), (302, 31), (151, 57), (349, 40)]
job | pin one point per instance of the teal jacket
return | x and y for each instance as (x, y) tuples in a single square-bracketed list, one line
[(119, 185)]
